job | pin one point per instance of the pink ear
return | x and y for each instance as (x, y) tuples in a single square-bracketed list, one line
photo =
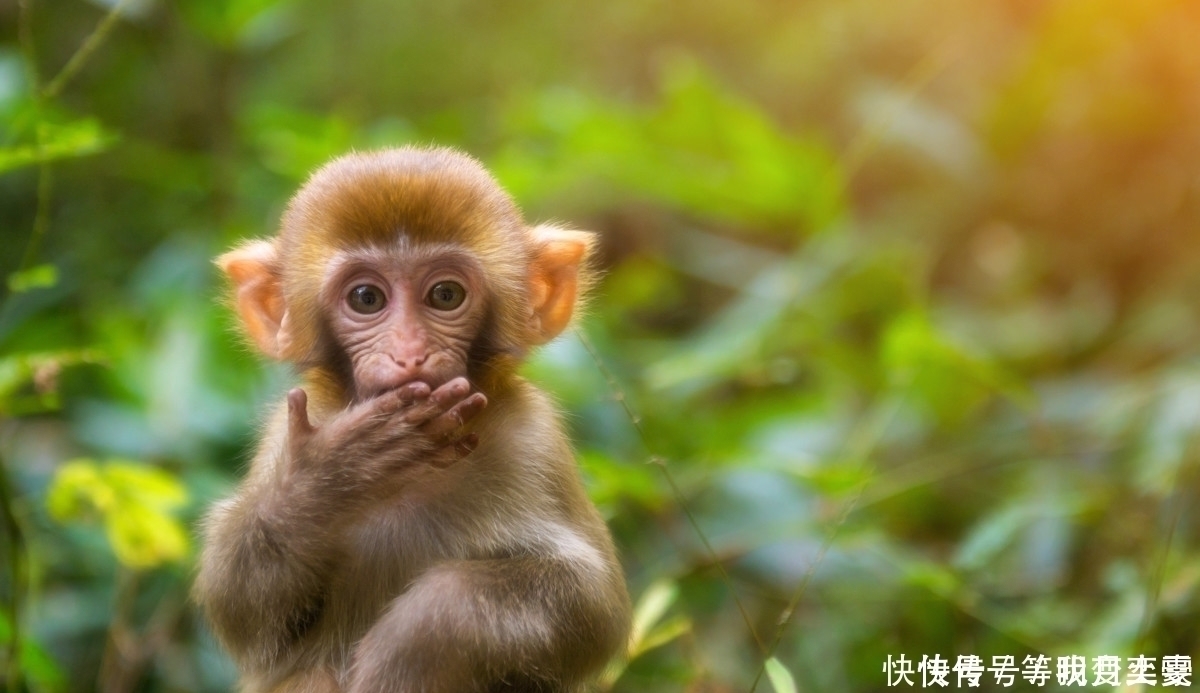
[(559, 259), (259, 299)]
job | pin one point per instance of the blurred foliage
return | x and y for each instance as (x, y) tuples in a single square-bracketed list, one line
[(134, 503), (895, 352)]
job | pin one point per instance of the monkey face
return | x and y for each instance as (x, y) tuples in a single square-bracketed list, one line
[(406, 313)]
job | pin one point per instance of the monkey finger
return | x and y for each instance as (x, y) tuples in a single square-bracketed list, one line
[(412, 392), (439, 402), (298, 423), (379, 410), (443, 426), (450, 392)]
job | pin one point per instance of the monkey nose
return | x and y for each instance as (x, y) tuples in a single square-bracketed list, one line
[(410, 360)]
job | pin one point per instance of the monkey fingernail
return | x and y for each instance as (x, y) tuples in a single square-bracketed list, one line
[(412, 392)]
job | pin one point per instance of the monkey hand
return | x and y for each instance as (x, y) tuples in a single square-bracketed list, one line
[(441, 414), (369, 441)]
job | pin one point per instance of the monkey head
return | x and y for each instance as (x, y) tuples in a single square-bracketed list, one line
[(406, 265)]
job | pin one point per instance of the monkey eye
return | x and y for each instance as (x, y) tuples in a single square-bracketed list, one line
[(446, 296), (366, 299)]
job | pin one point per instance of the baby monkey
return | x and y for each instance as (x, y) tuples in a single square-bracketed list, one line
[(413, 520)]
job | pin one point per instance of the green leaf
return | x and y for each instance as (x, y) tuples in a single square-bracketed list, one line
[(143, 538), (645, 635), (77, 489), (662, 634), (936, 578), (237, 23), (781, 678), (655, 601), (37, 277), (38, 370), (948, 378), (37, 664), (78, 138), (134, 502), (149, 486), (989, 537), (734, 336)]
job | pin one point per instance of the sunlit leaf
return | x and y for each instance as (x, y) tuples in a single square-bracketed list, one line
[(781, 679), (149, 486), (78, 138), (952, 381), (702, 148), (294, 143), (934, 577), (78, 488), (650, 608), (648, 632), (610, 481), (36, 277), (663, 633), (143, 537), (836, 478), (238, 23), (134, 502)]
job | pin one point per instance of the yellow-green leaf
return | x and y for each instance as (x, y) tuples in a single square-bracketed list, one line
[(144, 538), (655, 601), (781, 678), (36, 277), (134, 502), (77, 489), (57, 141), (147, 485), (662, 634)]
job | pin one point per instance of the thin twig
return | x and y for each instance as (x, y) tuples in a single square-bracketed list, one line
[(84, 52), (41, 219), (676, 492), (862, 443)]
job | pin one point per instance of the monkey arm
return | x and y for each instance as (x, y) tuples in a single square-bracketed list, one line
[(270, 549), (532, 622), (263, 573)]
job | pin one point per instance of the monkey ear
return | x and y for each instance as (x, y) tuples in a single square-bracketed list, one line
[(557, 275), (258, 297)]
